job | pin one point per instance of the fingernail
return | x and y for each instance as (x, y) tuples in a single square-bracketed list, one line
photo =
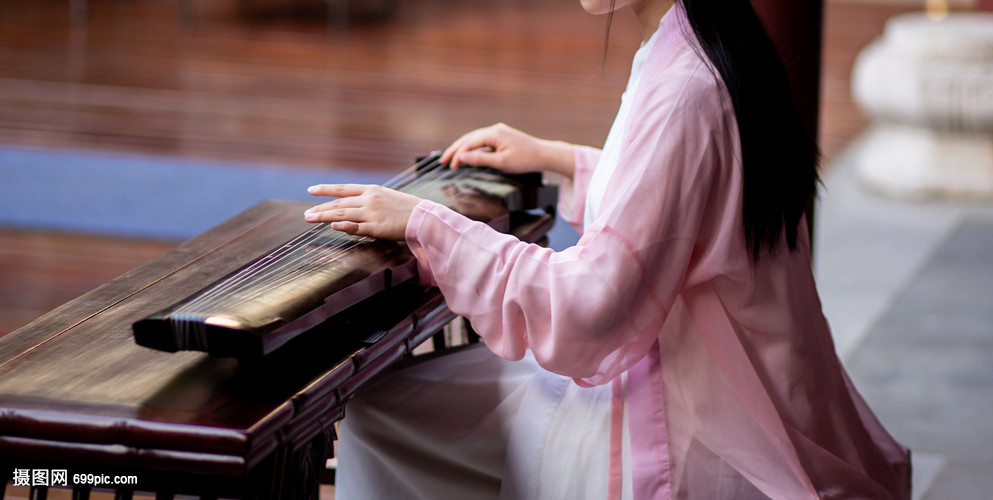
[(312, 189), (310, 215)]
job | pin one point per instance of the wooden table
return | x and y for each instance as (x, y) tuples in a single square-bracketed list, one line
[(77, 394)]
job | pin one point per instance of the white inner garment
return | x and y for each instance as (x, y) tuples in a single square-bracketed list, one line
[(615, 138)]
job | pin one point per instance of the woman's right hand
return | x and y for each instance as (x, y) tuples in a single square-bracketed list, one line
[(505, 148)]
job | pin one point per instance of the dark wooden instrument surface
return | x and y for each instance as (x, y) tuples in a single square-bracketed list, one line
[(74, 385), (319, 272), (76, 373)]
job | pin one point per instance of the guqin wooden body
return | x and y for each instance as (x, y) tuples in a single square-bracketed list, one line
[(322, 272), (77, 393)]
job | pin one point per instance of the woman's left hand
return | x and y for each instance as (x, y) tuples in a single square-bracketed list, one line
[(365, 210)]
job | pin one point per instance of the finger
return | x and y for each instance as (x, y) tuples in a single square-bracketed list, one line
[(449, 153), (348, 202), (461, 144), (478, 139), (335, 215), (335, 209), (481, 158), (338, 190)]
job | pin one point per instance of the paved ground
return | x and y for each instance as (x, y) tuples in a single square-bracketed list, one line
[(908, 289)]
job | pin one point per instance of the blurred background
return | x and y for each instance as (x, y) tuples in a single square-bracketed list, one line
[(127, 126)]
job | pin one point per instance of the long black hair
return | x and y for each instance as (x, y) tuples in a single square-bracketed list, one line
[(779, 157)]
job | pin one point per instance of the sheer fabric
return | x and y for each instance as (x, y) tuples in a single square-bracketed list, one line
[(434, 430), (708, 376)]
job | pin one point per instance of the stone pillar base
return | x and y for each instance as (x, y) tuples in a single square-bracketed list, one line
[(927, 87), (916, 163)]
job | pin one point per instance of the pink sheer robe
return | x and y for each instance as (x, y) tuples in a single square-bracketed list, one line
[(732, 383)]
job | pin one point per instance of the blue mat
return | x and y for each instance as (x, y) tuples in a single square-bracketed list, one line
[(153, 197), (142, 196)]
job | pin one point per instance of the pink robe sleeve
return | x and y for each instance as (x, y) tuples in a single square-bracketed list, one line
[(594, 309), (572, 192)]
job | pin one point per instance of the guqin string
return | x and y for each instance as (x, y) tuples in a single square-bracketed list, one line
[(312, 251)]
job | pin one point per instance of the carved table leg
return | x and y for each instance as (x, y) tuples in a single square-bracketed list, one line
[(302, 464)]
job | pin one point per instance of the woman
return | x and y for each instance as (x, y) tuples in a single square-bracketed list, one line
[(680, 347)]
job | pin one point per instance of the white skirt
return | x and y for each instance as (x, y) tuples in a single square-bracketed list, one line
[(472, 425)]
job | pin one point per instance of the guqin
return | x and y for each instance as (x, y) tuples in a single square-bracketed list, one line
[(321, 272), (77, 393)]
